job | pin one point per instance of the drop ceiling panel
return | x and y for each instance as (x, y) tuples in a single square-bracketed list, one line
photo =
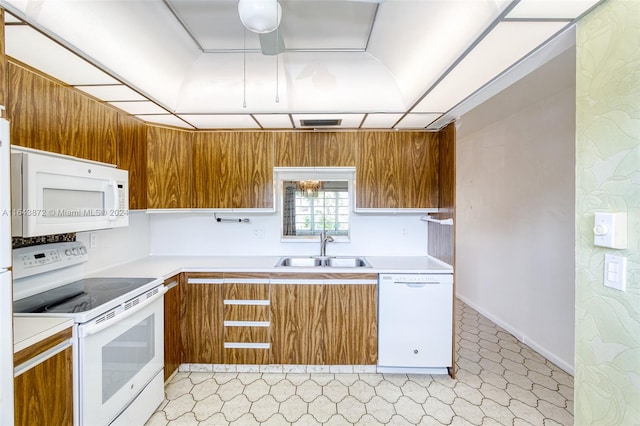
[(380, 121), (350, 121), (112, 93), (139, 107), (505, 45), (417, 121), (221, 121), (166, 119), (274, 121), (29, 46), (555, 9)]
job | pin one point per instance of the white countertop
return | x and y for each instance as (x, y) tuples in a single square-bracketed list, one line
[(31, 330), (166, 266)]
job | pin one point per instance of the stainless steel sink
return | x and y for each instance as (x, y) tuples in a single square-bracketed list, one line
[(320, 261), (300, 261), (346, 262)]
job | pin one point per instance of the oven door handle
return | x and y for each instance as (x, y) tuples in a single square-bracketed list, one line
[(89, 330)]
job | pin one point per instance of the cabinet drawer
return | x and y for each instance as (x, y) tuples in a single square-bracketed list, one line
[(246, 334), (246, 356), (246, 312), (246, 291)]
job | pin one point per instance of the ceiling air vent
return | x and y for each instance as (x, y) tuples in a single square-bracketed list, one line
[(320, 122)]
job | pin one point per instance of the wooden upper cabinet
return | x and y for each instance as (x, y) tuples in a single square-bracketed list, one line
[(397, 170), (315, 149), (132, 156), (169, 172), (233, 170), (49, 116)]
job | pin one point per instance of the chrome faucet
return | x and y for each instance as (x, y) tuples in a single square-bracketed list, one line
[(324, 239)]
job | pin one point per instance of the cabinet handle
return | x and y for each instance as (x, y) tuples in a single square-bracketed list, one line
[(42, 357)]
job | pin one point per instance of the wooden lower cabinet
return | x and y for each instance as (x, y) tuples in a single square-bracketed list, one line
[(43, 394), (203, 338), (324, 324), (298, 327), (173, 306)]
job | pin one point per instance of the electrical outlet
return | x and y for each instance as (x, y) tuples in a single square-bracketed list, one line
[(403, 232), (258, 232), (93, 240)]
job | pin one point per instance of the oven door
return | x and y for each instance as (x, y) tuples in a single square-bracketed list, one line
[(119, 356)]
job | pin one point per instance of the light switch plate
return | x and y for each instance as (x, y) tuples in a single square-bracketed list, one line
[(615, 272)]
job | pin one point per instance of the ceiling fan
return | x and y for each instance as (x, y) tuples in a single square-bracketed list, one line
[(263, 17)]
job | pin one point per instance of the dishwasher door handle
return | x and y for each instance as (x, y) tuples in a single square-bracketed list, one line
[(416, 284)]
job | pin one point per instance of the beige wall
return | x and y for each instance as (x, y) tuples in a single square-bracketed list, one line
[(607, 380), (515, 209)]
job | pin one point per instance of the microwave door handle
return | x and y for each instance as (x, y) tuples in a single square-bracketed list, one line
[(88, 331), (116, 201)]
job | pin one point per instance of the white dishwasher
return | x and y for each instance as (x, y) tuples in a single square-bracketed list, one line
[(415, 323)]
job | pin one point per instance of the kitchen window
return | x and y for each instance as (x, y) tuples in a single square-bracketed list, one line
[(313, 200)]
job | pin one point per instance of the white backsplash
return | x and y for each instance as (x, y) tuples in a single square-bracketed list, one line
[(118, 245), (195, 233)]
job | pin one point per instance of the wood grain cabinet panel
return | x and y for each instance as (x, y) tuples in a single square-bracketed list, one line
[(297, 324), (246, 318), (315, 149), (169, 170), (4, 81), (204, 318), (294, 149), (397, 170), (351, 330), (234, 170), (173, 313), (132, 156), (335, 149), (43, 394), (52, 117)]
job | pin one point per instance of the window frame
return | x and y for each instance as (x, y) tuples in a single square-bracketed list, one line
[(282, 174)]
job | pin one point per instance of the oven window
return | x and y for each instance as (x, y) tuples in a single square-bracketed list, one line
[(126, 355)]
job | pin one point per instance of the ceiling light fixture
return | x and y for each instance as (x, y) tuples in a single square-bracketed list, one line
[(260, 16), (310, 187)]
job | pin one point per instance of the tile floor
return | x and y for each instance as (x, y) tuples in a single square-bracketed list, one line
[(500, 381)]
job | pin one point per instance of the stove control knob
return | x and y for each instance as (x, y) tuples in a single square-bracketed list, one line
[(74, 251), (83, 250), (67, 252)]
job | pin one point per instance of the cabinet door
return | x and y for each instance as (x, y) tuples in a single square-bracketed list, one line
[(169, 168), (234, 170), (397, 170), (204, 318), (351, 324), (43, 394), (297, 324), (172, 326), (315, 149), (377, 168), (49, 116), (131, 150)]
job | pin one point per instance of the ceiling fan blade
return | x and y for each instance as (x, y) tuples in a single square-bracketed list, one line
[(272, 43)]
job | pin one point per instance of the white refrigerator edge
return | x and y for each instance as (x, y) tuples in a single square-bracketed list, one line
[(6, 293)]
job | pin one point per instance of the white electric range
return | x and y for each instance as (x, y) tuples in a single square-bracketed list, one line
[(118, 331)]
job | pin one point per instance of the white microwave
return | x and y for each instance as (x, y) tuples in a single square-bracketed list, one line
[(56, 194)]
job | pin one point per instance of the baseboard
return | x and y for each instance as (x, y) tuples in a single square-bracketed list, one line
[(518, 334)]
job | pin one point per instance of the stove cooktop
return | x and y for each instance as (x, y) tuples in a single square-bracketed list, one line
[(79, 296)]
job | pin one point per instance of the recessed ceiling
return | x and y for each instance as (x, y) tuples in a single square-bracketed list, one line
[(370, 64)]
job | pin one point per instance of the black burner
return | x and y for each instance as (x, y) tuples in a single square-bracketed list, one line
[(79, 296)]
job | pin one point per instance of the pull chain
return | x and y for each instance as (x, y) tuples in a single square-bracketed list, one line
[(244, 68)]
